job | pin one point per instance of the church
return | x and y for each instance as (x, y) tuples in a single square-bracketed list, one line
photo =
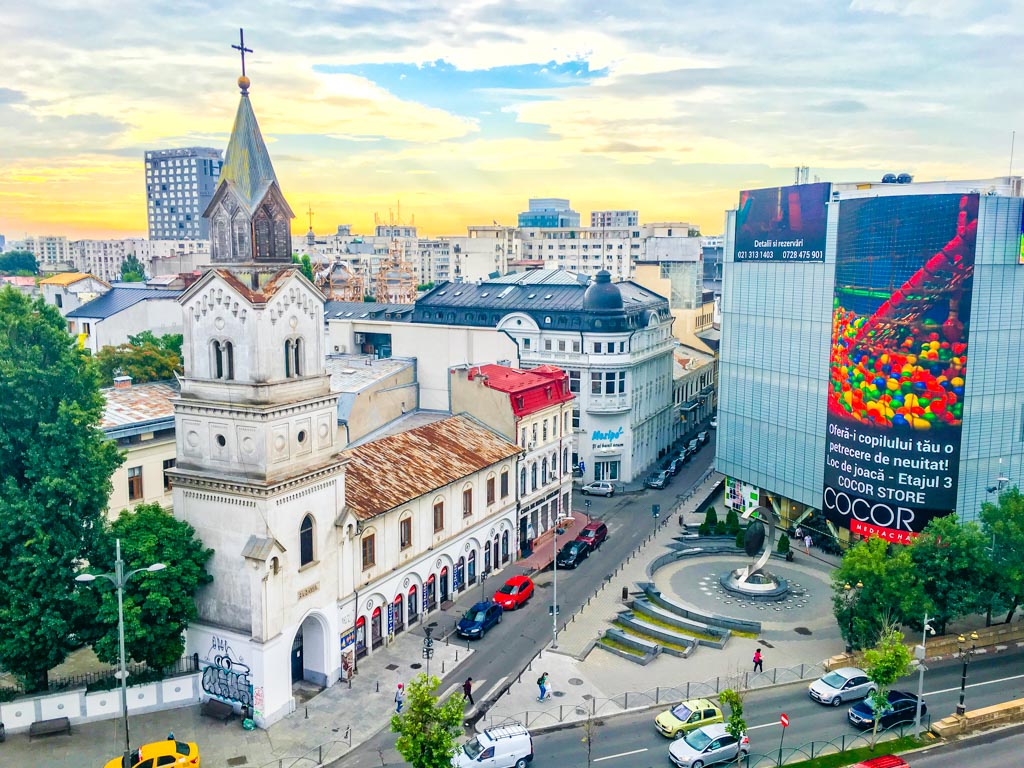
[(323, 552)]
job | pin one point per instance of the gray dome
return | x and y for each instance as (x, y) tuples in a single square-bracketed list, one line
[(601, 294)]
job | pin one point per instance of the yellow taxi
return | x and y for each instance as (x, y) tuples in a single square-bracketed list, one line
[(685, 716), (182, 754)]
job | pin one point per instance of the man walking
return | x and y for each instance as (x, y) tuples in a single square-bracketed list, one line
[(542, 683), (758, 661), (467, 689), (807, 543), (399, 699)]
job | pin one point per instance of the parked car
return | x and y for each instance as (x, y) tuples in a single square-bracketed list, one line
[(839, 685), (572, 554), (685, 716), (657, 480), (594, 533), (705, 746), (704, 437), (902, 708), (514, 592), (674, 466), (166, 752), (480, 618), (685, 455), (503, 746), (598, 488), (714, 423), (693, 446)]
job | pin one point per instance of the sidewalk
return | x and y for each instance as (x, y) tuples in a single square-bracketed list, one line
[(336, 719)]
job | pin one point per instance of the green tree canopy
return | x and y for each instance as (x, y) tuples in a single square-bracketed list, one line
[(305, 265), (158, 607), (14, 262), (735, 725), (55, 468), (953, 568), (170, 341), (132, 270), (1003, 523), (145, 358), (891, 591), (427, 729), (886, 663)]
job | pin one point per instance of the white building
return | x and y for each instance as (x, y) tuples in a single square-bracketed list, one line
[(122, 312), (52, 252), (614, 218), (68, 291)]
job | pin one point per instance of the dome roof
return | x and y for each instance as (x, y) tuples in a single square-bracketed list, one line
[(601, 294)]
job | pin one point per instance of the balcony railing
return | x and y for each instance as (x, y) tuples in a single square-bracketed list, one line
[(608, 403)]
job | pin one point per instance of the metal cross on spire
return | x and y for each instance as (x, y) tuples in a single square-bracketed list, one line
[(310, 212), (241, 48)]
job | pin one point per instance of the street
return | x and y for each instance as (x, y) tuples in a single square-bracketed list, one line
[(631, 741), (998, 749), (506, 649)]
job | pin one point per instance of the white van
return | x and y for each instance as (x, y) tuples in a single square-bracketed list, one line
[(503, 746)]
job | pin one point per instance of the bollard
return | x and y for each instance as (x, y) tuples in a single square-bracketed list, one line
[(378, 687), (442, 667), (446, 640), (456, 655), (625, 593), (307, 712), (350, 682)]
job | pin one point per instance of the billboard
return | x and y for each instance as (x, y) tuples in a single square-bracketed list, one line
[(782, 223), (898, 361)]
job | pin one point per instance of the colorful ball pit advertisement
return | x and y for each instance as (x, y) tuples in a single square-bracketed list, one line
[(782, 223), (898, 362)]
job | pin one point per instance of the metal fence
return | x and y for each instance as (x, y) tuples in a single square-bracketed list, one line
[(842, 743), (106, 678)]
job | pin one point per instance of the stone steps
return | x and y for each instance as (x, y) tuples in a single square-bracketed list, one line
[(671, 642), (701, 633)]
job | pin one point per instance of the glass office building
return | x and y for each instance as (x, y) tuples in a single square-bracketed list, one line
[(871, 358), (179, 185)]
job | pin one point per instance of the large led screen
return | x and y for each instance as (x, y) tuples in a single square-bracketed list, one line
[(898, 362), (782, 223)]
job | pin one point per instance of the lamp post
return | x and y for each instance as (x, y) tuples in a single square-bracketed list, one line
[(851, 599), (554, 589), (965, 655), (119, 578), (920, 654)]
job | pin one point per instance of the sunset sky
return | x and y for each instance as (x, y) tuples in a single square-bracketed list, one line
[(463, 109)]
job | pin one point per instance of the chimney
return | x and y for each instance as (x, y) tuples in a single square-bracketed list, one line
[(122, 382)]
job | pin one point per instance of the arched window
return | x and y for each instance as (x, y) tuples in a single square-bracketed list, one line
[(533, 476), (554, 463), (306, 541), (229, 360), (297, 348), (545, 430), (565, 460), (218, 361), (522, 481), (288, 359), (544, 472)]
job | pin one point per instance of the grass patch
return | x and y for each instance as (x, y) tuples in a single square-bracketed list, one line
[(649, 638), (748, 635), (620, 647), (851, 756), (665, 625)]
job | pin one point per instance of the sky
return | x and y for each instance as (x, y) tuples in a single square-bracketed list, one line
[(458, 111)]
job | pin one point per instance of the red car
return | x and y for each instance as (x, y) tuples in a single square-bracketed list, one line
[(594, 534), (515, 592)]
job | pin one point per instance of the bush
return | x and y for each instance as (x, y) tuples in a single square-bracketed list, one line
[(704, 529), (711, 517), (720, 528), (740, 534), (732, 521), (783, 546)]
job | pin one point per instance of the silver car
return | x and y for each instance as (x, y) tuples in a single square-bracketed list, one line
[(707, 745), (598, 488), (839, 685)]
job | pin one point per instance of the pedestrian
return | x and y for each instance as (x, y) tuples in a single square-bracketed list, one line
[(170, 736), (799, 533), (807, 543), (399, 699), (758, 661), (542, 683), (467, 688)]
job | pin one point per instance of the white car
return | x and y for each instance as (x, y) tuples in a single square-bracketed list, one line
[(707, 745), (714, 423), (839, 685), (598, 488), (504, 746)]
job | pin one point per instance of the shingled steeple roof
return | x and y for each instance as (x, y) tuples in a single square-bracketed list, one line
[(247, 168)]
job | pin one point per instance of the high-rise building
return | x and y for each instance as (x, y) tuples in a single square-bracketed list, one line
[(870, 360), (179, 186), (549, 212), (614, 218)]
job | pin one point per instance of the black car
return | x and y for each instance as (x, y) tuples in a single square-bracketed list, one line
[(902, 709), (572, 554), (674, 466)]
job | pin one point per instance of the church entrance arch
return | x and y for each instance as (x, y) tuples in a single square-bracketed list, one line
[(309, 655)]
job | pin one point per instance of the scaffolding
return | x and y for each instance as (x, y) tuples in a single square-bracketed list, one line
[(396, 278)]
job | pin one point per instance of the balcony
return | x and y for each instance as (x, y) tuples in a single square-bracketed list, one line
[(608, 403)]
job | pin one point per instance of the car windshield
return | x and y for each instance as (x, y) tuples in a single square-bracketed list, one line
[(587, 534), (681, 712), (473, 749), (182, 748), (697, 739), (474, 615), (507, 589), (834, 680)]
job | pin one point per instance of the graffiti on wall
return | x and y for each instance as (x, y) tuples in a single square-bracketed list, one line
[(226, 675)]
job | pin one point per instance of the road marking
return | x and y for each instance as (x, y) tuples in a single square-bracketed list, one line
[(763, 725), (976, 685), (496, 686), (621, 754)]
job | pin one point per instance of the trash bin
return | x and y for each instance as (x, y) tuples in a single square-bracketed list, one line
[(625, 593)]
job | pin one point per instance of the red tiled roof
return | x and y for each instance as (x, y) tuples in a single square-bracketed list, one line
[(387, 473), (531, 391), (266, 291)]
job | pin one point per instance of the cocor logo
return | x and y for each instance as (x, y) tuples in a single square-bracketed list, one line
[(883, 515)]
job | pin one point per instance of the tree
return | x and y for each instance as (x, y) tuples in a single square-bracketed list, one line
[(886, 663), (132, 270), (589, 728), (158, 607), (953, 568), (172, 342), (55, 468), (145, 362), (428, 730), (18, 261), (1004, 524), (305, 265), (891, 591), (735, 725)]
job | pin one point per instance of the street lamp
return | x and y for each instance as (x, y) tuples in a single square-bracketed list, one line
[(851, 598), (965, 655), (119, 578), (920, 655), (554, 591)]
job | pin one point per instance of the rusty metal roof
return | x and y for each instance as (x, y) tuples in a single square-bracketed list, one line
[(389, 472)]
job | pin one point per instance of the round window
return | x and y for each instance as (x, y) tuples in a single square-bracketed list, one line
[(221, 441), (302, 435)]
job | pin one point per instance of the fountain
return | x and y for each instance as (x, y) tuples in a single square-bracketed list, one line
[(753, 582)]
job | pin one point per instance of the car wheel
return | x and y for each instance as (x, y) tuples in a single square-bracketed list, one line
[(837, 701), (521, 762), (584, 492), (697, 764), (499, 618), (678, 734)]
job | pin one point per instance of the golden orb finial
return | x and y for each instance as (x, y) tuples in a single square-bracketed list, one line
[(243, 83)]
